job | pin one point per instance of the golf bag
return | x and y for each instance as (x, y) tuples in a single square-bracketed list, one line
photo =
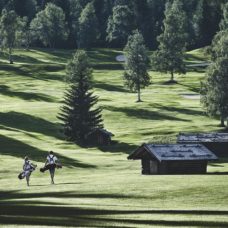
[(50, 167), (24, 173)]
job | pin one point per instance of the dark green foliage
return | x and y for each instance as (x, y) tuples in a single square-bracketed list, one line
[(224, 22), (10, 28), (115, 19), (215, 88), (136, 75), (78, 114), (88, 30), (75, 9), (49, 26), (170, 55), (120, 25), (25, 8)]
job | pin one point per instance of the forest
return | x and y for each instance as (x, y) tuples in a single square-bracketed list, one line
[(108, 23)]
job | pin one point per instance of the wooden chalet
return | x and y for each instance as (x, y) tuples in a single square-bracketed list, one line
[(99, 136), (173, 158), (215, 142)]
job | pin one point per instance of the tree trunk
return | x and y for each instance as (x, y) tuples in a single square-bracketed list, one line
[(222, 122), (172, 76), (10, 56), (139, 94)]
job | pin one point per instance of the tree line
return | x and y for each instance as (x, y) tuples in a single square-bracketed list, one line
[(106, 23)]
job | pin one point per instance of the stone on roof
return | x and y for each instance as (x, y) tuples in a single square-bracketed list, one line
[(202, 137), (171, 152)]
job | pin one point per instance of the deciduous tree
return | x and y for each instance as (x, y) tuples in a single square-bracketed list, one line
[(170, 55), (49, 26), (10, 28), (136, 75)]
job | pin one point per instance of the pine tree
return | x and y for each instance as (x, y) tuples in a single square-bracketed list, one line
[(170, 55), (224, 22), (75, 10), (136, 75), (78, 114), (215, 88), (88, 31)]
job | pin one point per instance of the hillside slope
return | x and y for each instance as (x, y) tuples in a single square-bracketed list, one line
[(99, 187)]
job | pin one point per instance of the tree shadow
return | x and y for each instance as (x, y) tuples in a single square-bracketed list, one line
[(37, 71), (30, 124), (118, 147), (18, 70), (144, 114), (178, 109), (20, 213), (111, 88), (189, 87), (107, 66), (19, 149), (5, 90)]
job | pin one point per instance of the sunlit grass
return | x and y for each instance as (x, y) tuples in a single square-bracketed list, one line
[(99, 187)]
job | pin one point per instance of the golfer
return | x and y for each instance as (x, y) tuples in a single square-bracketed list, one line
[(51, 164), (28, 168)]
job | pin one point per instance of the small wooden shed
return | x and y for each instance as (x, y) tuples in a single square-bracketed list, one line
[(99, 136), (173, 158), (215, 142)]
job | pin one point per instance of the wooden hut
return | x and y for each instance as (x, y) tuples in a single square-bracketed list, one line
[(215, 142), (99, 136), (173, 158)]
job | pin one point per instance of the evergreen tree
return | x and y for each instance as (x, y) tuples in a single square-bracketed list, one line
[(215, 89), (78, 114), (25, 33), (88, 31), (75, 10), (170, 55), (25, 8), (224, 22), (49, 26), (10, 28), (120, 25), (136, 75)]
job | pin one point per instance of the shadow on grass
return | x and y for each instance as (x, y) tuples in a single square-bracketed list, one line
[(144, 114), (118, 147), (5, 90), (17, 70), (30, 124), (19, 213), (107, 66), (191, 57), (111, 88), (189, 87), (37, 71), (16, 148), (178, 109)]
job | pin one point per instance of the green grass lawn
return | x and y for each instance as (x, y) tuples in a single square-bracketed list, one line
[(99, 187)]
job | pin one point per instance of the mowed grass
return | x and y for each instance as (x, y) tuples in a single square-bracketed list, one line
[(99, 187)]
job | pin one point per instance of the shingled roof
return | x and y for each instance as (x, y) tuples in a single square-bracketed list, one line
[(202, 137), (171, 152)]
